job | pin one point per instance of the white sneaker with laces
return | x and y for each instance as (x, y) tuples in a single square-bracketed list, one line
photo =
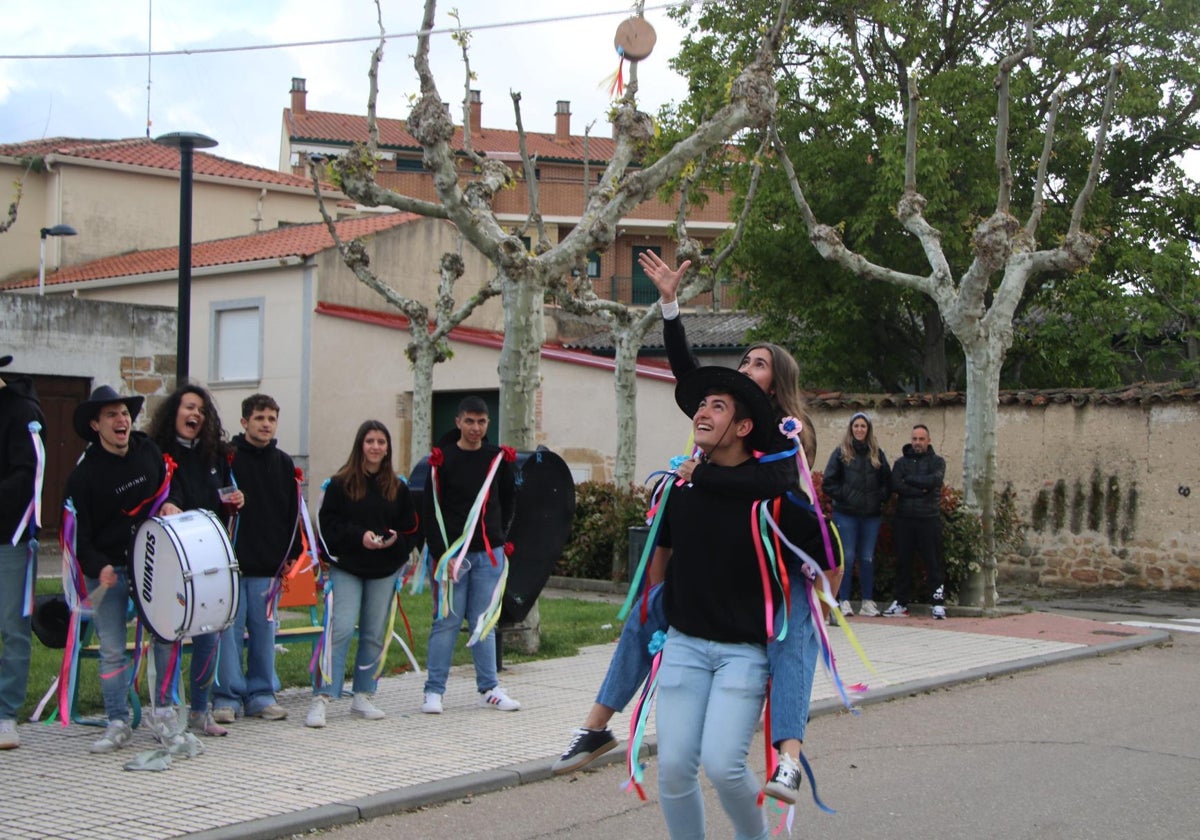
[(116, 735), (316, 712), (847, 610), (896, 610), (868, 608), (496, 698), (361, 706), (432, 704), (9, 739)]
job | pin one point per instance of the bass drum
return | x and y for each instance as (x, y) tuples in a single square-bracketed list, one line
[(540, 528), (186, 579)]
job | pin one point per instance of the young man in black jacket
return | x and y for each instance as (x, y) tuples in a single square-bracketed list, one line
[(21, 459), (111, 491), (266, 534), (917, 480)]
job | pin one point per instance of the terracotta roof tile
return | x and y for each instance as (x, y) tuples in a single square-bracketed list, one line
[(281, 243), (345, 129), (142, 151)]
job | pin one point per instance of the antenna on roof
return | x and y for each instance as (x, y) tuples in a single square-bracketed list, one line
[(149, 56)]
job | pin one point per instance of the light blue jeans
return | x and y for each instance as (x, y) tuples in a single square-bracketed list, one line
[(15, 629), (365, 602), (471, 596), (109, 618), (253, 689), (710, 695), (201, 674), (858, 534), (792, 660)]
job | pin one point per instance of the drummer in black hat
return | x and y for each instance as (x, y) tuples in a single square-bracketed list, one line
[(109, 493), (21, 461)]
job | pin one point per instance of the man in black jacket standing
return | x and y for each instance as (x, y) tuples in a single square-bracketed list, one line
[(266, 534), (21, 425), (917, 480)]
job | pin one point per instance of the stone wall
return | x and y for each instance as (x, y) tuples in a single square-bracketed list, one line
[(1106, 484)]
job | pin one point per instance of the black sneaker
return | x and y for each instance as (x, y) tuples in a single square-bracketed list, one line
[(585, 746), (785, 781)]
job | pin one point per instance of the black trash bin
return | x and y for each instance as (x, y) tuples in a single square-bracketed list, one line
[(638, 534)]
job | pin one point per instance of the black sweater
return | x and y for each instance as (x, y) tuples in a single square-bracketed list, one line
[(917, 480), (713, 586), (344, 521), (196, 480), (106, 489), (459, 479), (266, 531), (18, 459)]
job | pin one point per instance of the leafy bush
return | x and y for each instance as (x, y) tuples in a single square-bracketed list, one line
[(599, 543)]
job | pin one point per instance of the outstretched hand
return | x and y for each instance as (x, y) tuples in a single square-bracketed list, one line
[(660, 274)]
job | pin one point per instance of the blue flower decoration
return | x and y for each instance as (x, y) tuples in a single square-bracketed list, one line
[(657, 641)]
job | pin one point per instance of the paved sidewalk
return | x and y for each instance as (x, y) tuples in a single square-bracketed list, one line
[(269, 780)]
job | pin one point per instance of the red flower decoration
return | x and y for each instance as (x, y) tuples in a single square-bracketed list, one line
[(508, 549), (436, 458), (299, 474), (510, 454)]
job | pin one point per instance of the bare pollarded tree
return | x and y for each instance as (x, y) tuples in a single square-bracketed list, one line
[(978, 306), (523, 277)]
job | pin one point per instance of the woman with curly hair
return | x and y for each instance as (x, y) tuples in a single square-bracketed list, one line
[(366, 517), (186, 427)]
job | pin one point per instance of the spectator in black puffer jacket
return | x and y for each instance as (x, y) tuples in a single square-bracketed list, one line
[(858, 480), (917, 478)]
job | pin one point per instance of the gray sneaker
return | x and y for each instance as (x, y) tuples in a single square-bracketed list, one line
[(272, 712), (9, 738), (116, 735), (868, 608)]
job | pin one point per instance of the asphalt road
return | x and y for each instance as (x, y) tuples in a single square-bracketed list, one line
[(1096, 748)]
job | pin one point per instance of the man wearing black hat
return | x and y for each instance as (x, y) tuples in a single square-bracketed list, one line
[(111, 491), (21, 467), (713, 673)]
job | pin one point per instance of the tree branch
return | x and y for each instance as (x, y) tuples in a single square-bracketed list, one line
[(1089, 187), (531, 181), (1039, 186), (1003, 94)]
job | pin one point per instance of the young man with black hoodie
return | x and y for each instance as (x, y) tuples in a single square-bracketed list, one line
[(112, 490), (265, 536), (21, 421)]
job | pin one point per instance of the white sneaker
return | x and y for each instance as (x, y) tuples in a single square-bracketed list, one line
[(496, 698), (432, 704), (116, 735), (847, 610), (361, 706), (868, 608), (9, 739), (316, 712), (896, 610)]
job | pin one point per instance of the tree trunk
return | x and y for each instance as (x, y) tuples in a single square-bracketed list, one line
[(422, 403), (934, 378), (983, 358), (524, 334)]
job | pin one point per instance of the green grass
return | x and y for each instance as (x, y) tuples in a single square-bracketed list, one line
[(567, 624)]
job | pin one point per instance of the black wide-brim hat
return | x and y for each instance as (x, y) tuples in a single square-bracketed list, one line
[(5, 361), (701, 382), (87, 411), (50, 620)]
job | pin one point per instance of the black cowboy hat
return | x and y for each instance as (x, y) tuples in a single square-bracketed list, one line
[(87, 411), (699, 383), (50, 620), (5, 361)]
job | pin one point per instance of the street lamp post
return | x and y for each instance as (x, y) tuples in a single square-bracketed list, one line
[(57, 230), (186, 142)]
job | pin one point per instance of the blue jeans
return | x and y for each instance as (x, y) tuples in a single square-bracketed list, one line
[(859, 534), (710, 695), (109, 618), (201, 674), (631, 660), (472, 594), (793, 661), (252, 689), (365, 602), (15, 629)]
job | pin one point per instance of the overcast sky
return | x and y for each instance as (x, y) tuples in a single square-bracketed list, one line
[(237, 98)]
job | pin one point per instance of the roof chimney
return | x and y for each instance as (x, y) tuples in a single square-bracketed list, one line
[(562, 121), (476, 112), (299, 96)]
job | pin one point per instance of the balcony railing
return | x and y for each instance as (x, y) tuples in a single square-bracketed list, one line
[(641, 292)]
